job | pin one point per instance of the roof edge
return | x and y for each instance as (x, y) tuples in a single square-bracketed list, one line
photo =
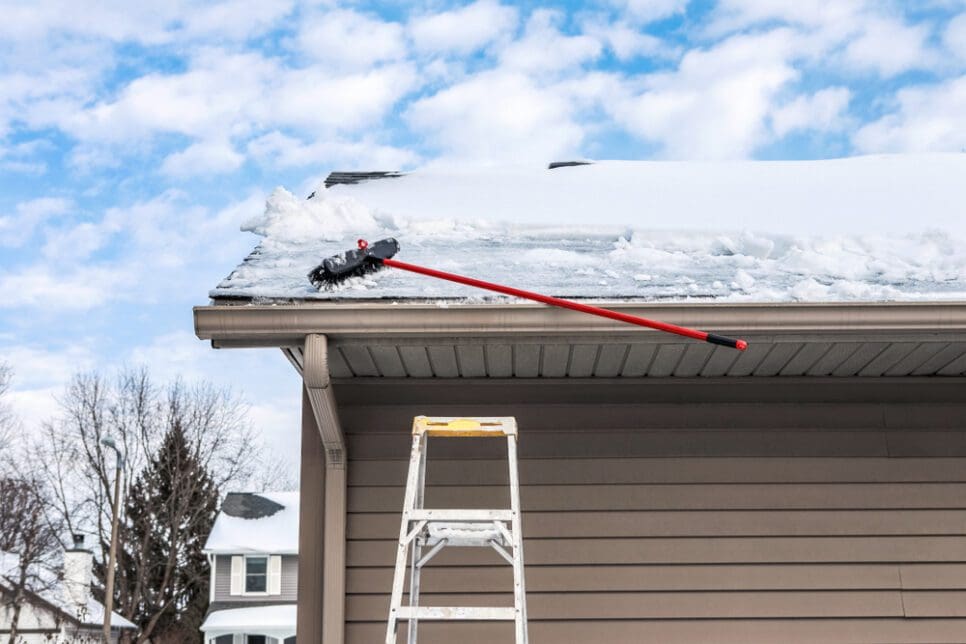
[(287, 325)]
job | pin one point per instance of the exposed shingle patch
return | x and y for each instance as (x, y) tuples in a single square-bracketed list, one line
[(349, 178), (566, 164), (246, 505)]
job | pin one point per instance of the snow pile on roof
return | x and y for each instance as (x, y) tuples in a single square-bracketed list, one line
[(866, 228), (255, 618), (275, 534), (45, 583)]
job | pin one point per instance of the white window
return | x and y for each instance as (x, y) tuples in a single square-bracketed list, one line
[(256, 574)]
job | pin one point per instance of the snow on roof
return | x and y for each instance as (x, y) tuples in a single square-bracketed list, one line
[(255, 618), (51, 589), (277, 533), (864, 228), (94, 613)]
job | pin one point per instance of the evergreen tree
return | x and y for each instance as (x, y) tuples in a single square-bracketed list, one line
[(169, 512)]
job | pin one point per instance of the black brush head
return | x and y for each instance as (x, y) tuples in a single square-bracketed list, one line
[(354, 263)]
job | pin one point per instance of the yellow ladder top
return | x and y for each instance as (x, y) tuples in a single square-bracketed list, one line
[(465, 426)]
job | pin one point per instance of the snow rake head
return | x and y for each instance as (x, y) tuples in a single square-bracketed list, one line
[(358, 262)]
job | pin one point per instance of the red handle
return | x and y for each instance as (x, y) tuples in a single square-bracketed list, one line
[(741, 345)]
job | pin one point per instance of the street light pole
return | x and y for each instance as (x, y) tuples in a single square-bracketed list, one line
[(112, 553)]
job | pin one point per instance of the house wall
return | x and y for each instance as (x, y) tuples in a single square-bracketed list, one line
[(289, 582), (39, 623), (793, 511)]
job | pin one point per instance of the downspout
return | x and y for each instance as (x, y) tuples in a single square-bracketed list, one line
[(211, 581), (315, 375)]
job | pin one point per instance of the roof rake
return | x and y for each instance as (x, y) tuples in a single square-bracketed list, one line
[(369, 258)]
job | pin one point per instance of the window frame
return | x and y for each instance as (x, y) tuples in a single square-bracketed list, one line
[(255, 593)]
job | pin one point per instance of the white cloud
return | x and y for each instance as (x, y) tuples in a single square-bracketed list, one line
[(35, 366), (740, 14), (225, 99), (23, 157), (645, 11), (202, 158), (63, 287), (929, 118), (861, 35), (823, 111), (716, 104), (173, 355), (350, 40), (544, 48), (18, 228), (214, 96), (954, 38), (37, 96), (889, 47), (31, 407), (463, 30), (78, 242), (121, 254), (143, 22), (229, 19), (282, 150), (169, 232), (626, 41), (278, 422), (40, 373), (499, 116), (325, 104)]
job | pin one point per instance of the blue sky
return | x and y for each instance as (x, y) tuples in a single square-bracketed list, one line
[(135, 138)]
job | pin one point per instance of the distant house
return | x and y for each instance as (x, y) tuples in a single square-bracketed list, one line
[(808, 489), (253, 553), (60, 609)]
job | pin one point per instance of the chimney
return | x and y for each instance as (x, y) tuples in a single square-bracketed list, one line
[(78, 573)]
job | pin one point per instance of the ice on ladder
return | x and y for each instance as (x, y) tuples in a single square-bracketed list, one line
[(435, 529)]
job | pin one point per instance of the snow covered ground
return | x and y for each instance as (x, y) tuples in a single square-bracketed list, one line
[(866, 228)]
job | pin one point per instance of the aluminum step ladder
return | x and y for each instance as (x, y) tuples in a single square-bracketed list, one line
[(437, 528)]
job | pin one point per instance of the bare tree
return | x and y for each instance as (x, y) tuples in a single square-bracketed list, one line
[(29, 545), (7, 418), (138, 415), (273, 474)]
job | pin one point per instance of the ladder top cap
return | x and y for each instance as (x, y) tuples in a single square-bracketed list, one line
[(465, 426)]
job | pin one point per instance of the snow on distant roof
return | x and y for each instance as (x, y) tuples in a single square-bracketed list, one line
[(46, 585), (865, 228), (255, 618), (277, 533), (94, 613)]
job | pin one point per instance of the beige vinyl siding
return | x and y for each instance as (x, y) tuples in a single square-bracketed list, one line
[(779, 520), (289, 582)]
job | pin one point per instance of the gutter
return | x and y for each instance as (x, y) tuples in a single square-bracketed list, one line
[(287, 325)]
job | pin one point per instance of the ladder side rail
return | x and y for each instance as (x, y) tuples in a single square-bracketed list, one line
[(415, 572), (519, 588), (395, 600)]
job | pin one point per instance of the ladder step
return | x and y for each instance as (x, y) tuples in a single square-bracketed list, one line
[(460, 515), (457, 612)]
